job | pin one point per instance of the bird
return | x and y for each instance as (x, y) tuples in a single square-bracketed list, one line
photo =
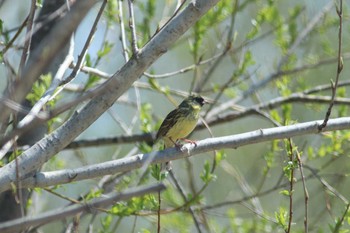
[(180, 122)]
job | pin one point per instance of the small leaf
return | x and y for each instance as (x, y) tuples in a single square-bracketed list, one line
[(285, 192)]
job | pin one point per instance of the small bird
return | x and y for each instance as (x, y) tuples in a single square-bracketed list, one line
[(180, 122)]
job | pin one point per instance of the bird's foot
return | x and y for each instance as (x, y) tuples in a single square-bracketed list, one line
[(189, 141)]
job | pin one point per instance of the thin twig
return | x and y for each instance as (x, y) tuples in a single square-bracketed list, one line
[(306, 193), (183, 194), (247, 198), (122, 30), (42, 57), (328, 186), (255, 109), (54, 215), (28, 38), (262, 83), (306, 31), (83, 52), (132, 28), (101, 74), (340, 222), (291, 183), (177, 10), (339, 67), (325, 87), (19, 190), (35, 110), (227, 48), (49, 190), (158, 212), (18, 32)]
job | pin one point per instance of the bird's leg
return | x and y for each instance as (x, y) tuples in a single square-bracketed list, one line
[(177, 145), (188, 141)]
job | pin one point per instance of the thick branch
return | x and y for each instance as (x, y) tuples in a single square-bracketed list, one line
[(108, 93), (44, 54), (43, 179)]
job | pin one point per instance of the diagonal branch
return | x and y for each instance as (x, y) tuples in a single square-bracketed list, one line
[(57, 214), (43, 55), (107, 94)]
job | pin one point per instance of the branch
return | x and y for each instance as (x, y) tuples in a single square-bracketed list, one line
[(296, 97), (306, 193), (43, 179), (43, 56), (146, 137), (82, 55), (339, 68), (306, 31), (219, 119), (181, 190), (107, 94), (28, 37), (132, 27), (262, 83), (122, 30), (57, 214), (291, 184)]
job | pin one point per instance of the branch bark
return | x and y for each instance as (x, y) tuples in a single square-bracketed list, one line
[(44, 55), (46, 148), (57, 214), (43, 179)]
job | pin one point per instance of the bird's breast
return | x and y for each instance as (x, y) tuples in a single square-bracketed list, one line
[(182, 128)]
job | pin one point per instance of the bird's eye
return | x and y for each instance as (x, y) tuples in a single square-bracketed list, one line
[(200, 100)]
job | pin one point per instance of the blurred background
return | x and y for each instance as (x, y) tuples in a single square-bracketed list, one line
[(246, 53)]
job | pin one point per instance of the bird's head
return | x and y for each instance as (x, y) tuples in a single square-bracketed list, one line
[(195, 102)]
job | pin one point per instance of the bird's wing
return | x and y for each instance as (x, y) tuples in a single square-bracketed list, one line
[(168, 123)]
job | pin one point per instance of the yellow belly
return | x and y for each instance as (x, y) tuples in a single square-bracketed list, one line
[(180, 130)]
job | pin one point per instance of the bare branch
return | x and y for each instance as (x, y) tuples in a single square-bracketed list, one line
[(42, 56), (108, 93), (306, 193), (132, 27), (83, 52), (339, 68), (28, 38), (44, 179), (122, 30), (54, 215)]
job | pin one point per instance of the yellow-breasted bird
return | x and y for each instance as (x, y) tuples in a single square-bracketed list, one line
[(180, 122)]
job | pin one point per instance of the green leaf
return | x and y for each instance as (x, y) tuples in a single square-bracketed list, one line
[(220, 155), (111, 12), (106, 49), (206, 174), (281, 217), (285, 192), (106, 224), (146, 118), (39, 88), (39, 3), (157, 173), (93, 194)]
